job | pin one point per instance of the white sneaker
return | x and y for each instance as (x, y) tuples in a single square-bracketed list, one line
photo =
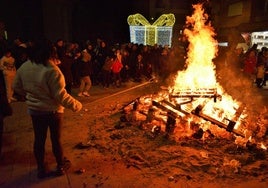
[(80, 94), (12, 99), (86, 94)]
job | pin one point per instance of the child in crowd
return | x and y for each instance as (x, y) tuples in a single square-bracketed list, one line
[(106, 71), (85, 72), (116, 68), (7, 64)]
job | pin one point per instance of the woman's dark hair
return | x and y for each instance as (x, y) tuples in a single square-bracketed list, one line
[(41, 51)]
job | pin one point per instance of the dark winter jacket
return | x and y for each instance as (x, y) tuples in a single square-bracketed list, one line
[(66, 68), (84, 68)]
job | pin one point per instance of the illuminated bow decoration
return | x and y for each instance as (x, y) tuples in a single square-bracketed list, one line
[(163, 20)]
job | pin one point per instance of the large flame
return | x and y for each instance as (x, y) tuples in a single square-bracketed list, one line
[(202, 49), (200, 71)]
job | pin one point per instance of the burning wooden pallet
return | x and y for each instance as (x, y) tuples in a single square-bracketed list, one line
[(197, 93), (185, 107), (176, 111)]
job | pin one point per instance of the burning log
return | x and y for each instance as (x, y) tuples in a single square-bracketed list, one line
[(199, 93), (150, 115), (198, 134), (176, 111), (144, 109), (171, 123), (229, 127)]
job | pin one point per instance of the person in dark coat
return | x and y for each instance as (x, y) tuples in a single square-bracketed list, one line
[(106, 71), (85, 70), (66, 68)]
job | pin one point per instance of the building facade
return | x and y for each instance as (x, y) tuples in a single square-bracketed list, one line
[(233, 18), (230, 18)]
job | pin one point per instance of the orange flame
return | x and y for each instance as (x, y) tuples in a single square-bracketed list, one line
[(262, 146), (200, 71)]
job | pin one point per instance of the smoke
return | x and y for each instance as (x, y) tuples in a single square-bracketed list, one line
[(237, 84)]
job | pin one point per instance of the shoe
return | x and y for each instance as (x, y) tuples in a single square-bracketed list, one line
[(62, 169), (86, 94), (80, 94), (13, 99)]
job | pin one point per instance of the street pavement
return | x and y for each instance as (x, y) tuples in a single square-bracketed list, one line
[(17, 164)]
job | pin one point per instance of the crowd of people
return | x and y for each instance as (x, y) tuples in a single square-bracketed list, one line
[(87, 64), (252, 62)]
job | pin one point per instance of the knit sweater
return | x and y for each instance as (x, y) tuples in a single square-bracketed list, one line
[(44, 88)]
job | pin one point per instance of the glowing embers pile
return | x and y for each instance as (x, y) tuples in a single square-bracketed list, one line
[(179, 117), (185, 116)]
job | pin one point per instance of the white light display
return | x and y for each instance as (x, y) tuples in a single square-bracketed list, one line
[(160, 32)]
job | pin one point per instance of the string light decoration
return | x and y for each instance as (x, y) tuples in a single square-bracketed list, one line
[(142, 32)]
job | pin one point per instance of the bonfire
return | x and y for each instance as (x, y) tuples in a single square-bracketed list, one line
[(195, 104)]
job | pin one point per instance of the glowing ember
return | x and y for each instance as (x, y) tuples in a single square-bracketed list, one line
[(262, 146)]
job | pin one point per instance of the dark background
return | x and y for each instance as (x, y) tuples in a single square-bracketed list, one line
[(22, 18), (88, 19), (103, 19)]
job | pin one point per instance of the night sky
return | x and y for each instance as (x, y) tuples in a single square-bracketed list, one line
[(21, 18), (105, 19), (90, 18)]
